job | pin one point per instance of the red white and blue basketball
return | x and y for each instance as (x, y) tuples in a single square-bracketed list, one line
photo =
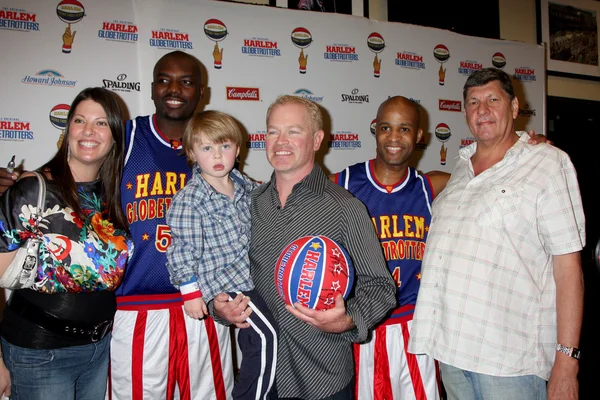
[(312, 271), (215, 29), (70, 11), (301, 37), (375, 42)]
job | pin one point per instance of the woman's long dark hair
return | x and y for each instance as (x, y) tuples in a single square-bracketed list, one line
[(111, 170)]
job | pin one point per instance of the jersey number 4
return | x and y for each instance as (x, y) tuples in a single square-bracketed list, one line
[(396, 276)]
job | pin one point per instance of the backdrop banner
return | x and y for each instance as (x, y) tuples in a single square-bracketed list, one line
[(250, 55)]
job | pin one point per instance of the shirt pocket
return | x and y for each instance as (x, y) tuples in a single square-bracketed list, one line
[(500, 206)]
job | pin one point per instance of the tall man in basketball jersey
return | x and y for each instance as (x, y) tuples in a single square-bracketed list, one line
[(157, 352), (398, 199)]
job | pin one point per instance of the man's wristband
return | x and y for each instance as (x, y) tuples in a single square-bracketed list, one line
[(570, 351)]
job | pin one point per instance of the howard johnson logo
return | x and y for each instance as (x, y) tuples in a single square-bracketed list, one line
[(121, 84), (355, 98), (48, 77), (308, 95)]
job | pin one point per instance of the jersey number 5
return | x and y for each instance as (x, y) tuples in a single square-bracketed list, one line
[(163, 238)]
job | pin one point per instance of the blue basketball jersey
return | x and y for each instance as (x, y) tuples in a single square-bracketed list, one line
[(154, 171), (401, 215)]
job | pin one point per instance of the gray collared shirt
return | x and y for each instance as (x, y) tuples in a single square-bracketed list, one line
[(313, 364)]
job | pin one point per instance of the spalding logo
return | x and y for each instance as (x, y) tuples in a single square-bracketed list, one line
[(375, 42), (312, 271), (70, 11), (442, 132), (58, 116), (301, 37), (498, 60), (441, 53), (215, 30)]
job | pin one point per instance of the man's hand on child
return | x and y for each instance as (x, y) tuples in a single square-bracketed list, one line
[(195, 308)]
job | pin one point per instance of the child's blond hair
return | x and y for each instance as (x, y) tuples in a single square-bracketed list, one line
[(215, 126)]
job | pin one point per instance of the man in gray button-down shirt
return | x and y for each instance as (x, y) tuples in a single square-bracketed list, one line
[(315, 347)]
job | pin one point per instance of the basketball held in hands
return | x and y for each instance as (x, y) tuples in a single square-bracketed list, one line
[(312, 271)]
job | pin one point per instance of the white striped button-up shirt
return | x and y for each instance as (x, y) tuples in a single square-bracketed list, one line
[(487, 301)]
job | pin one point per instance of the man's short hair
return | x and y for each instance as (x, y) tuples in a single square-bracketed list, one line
[(213, 125), (178, 54), (486, 75), (313, 111)]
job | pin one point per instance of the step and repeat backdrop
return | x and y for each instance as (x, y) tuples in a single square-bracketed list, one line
[(250, 55)]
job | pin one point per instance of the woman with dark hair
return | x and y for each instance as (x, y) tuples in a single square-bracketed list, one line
[(56, 334)]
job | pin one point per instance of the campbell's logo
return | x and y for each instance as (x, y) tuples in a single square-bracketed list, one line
[(450, 105), (13, 129), (442, 132), (18, 20), (119, 31), (170, 39), (58, 116), (121, 84), (243, 93), (498, 60), (48, 77)]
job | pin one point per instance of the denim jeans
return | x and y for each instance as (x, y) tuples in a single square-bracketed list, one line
[(78, 372), (466, 385)]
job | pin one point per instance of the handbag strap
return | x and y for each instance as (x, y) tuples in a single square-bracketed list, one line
[(41, 200), (41, 194)]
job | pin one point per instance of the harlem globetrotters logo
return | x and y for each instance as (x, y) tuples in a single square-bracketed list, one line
[(216, 31), (301, 38), (376, 44), (69, 12)]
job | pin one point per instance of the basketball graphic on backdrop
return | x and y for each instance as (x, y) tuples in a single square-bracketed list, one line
[(312, 271)]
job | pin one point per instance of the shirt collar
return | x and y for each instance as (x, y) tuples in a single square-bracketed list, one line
[(467, 152), (239, 183), (313, 182)]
